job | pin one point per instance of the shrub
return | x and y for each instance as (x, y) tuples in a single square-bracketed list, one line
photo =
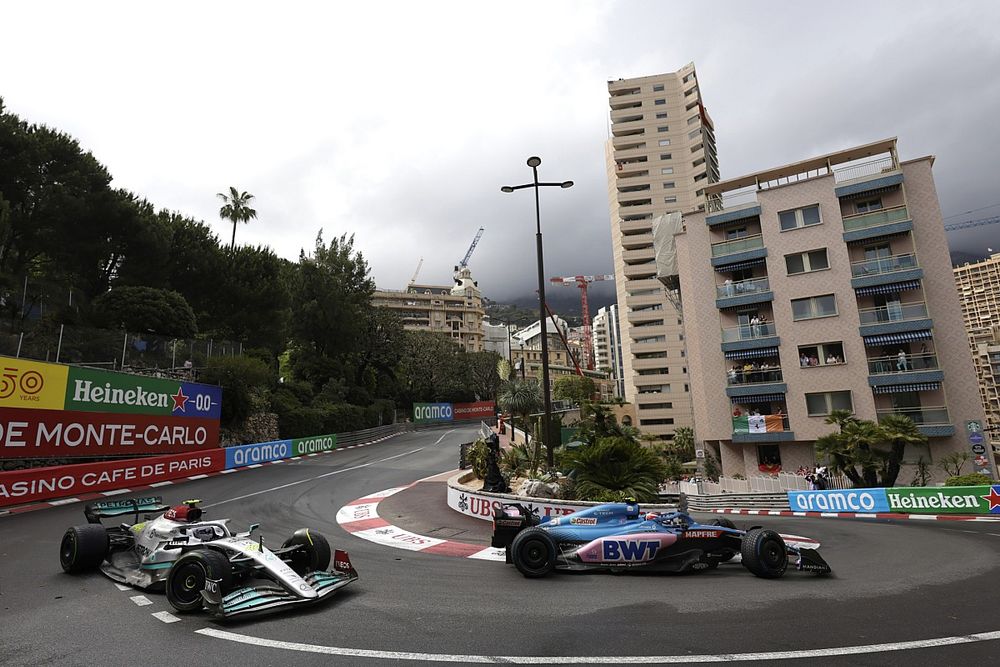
[(972, 479), (239, 377), (618, 466), (300, 422), (342, 418), (477, 455)]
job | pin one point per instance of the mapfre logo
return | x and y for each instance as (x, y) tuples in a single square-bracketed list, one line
[(27, 382), (703, 533)]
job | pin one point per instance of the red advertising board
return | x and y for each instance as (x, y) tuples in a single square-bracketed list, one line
[(473, 411), (26, 433), (22, 486)]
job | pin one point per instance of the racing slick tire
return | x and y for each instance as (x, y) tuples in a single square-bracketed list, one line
[(188, 575), (764, 553), (534, 552), (83, 548), (313, 551), (722, 521)]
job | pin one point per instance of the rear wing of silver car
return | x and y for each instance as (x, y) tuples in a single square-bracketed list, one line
[(112, 508)]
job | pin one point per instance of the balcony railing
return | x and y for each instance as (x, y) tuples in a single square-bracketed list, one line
[(741, 377), (748, 332), (893, 312), (737, 245), (872, 167), (920, 416), (874, 267), (733, 199), (750, 286), (760, 424), (895, 364), (874, 219)]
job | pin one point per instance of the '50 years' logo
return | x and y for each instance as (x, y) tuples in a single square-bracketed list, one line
[(30, 382)]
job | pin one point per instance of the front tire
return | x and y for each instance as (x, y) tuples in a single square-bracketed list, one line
[(83, 548), (764, 553), (313, 551), (188, 575), (534, 552)]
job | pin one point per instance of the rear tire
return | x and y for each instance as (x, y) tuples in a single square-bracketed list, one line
[(83, 548), (764, 553), (313, 552), (534, 552), (722, 521), (188, 574)]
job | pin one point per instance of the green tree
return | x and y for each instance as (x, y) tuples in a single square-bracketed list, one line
[(869, 454), (898, 432), (236, 207), (251, 300), (432, 368), (146, 309), (482, 370), (579, 389), (522, 397), (615, 468), (243, 380)]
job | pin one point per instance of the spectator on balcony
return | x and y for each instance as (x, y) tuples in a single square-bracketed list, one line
[(732, 375), (747, 370), (729, 287), (830, 359), (901, 364), (813, 361), (755, 326), (923, 356), (804, 359)]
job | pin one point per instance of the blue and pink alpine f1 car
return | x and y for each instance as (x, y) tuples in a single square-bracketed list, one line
[(618, 537)]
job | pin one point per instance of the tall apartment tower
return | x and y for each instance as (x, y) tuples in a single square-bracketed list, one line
[(660, 157), (608, 347), (819, 287), (979, 288)]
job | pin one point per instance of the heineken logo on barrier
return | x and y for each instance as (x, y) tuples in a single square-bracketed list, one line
[(86, 391), (946, 500)]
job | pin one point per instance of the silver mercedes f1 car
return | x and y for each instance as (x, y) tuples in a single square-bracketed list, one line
[(203, 564)]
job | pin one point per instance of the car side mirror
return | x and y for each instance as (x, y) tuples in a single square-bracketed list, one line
[(249, 531)]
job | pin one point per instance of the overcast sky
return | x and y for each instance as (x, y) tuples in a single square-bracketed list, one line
[(399, 121)]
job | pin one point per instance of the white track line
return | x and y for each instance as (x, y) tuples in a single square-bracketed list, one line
[(141, 600), (115, 492), (64, 501), (166, 617), (123, 587), (166, 483), (603, 660)]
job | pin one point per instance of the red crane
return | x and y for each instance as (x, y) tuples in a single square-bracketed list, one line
[(582, 282)]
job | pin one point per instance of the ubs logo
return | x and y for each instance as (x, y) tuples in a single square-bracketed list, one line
[(29, 382)]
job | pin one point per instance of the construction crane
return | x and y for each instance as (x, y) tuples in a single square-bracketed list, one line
[(417, 272), (582, 282), (468, 254), (971, 223)]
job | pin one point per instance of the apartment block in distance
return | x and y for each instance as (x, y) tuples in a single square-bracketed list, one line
[(817, 286), (979, 288), (608, 347), (660, 158), (455, 312)]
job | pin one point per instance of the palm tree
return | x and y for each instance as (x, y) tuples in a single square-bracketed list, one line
[(898, 431), (615, 468), (236, 207), (521, 397)]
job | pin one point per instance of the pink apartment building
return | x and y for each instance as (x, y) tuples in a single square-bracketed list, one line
[(820, 285)]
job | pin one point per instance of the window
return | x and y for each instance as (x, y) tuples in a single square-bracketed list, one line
[(650, 323), (666, 156), (663, 128), (656, 406), (664, 142), (804, 262), (661, 114), (650, 339), (736, 233), (823, 403), (656, 422), (694, 133), (651, 355), (768, 455), (813, 307), (667, 170), (659, 102), (693, 119), (670, 200), (869, 205), (658, 88), (822, 354), (799, 217), (653, 371), (655, 389), (668, 185)]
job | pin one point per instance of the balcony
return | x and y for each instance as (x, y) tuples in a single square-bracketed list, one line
[(629, 142), (636, 225), (763, 428), (738, 250), (885, 270), (885, 222), (749, 337), (634, 241), (744, 292), (754, 382), (871, 176), (640, 271), (894, 318), (931, 421), (639, 255)]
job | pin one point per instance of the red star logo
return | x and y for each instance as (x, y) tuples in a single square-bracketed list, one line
[(993, 498), (179, 400)]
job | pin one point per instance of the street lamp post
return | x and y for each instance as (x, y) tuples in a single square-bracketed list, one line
[(533, 162)]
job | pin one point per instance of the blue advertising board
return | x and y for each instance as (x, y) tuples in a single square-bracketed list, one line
[(261, 452), (427, 413), (839, 500)]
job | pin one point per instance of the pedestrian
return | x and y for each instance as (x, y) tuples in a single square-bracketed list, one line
[(755, 326), (901, 361), (729, 287)]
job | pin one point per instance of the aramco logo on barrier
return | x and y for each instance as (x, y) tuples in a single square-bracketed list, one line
[(426, 413)]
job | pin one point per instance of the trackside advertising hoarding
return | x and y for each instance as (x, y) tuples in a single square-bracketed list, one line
[(23, 486), (427, 413), (263, 452), (55, 411), (903, 500)]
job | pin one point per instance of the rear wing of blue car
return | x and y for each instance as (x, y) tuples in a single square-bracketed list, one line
[(112, 508)]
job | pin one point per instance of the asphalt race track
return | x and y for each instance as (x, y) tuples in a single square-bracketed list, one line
[(924, 592)]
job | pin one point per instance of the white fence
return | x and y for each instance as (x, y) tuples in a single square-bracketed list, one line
[(754, 484)]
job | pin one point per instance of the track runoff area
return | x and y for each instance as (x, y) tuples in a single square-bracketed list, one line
[(919, 593)]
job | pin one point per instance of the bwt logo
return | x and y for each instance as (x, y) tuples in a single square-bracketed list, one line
[(629, 550), (432, 411)]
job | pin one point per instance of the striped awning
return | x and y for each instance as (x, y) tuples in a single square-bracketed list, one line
[(756, 398), (892, 339), (888, 289), (900, 388), (753, 354), (726, 268)]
